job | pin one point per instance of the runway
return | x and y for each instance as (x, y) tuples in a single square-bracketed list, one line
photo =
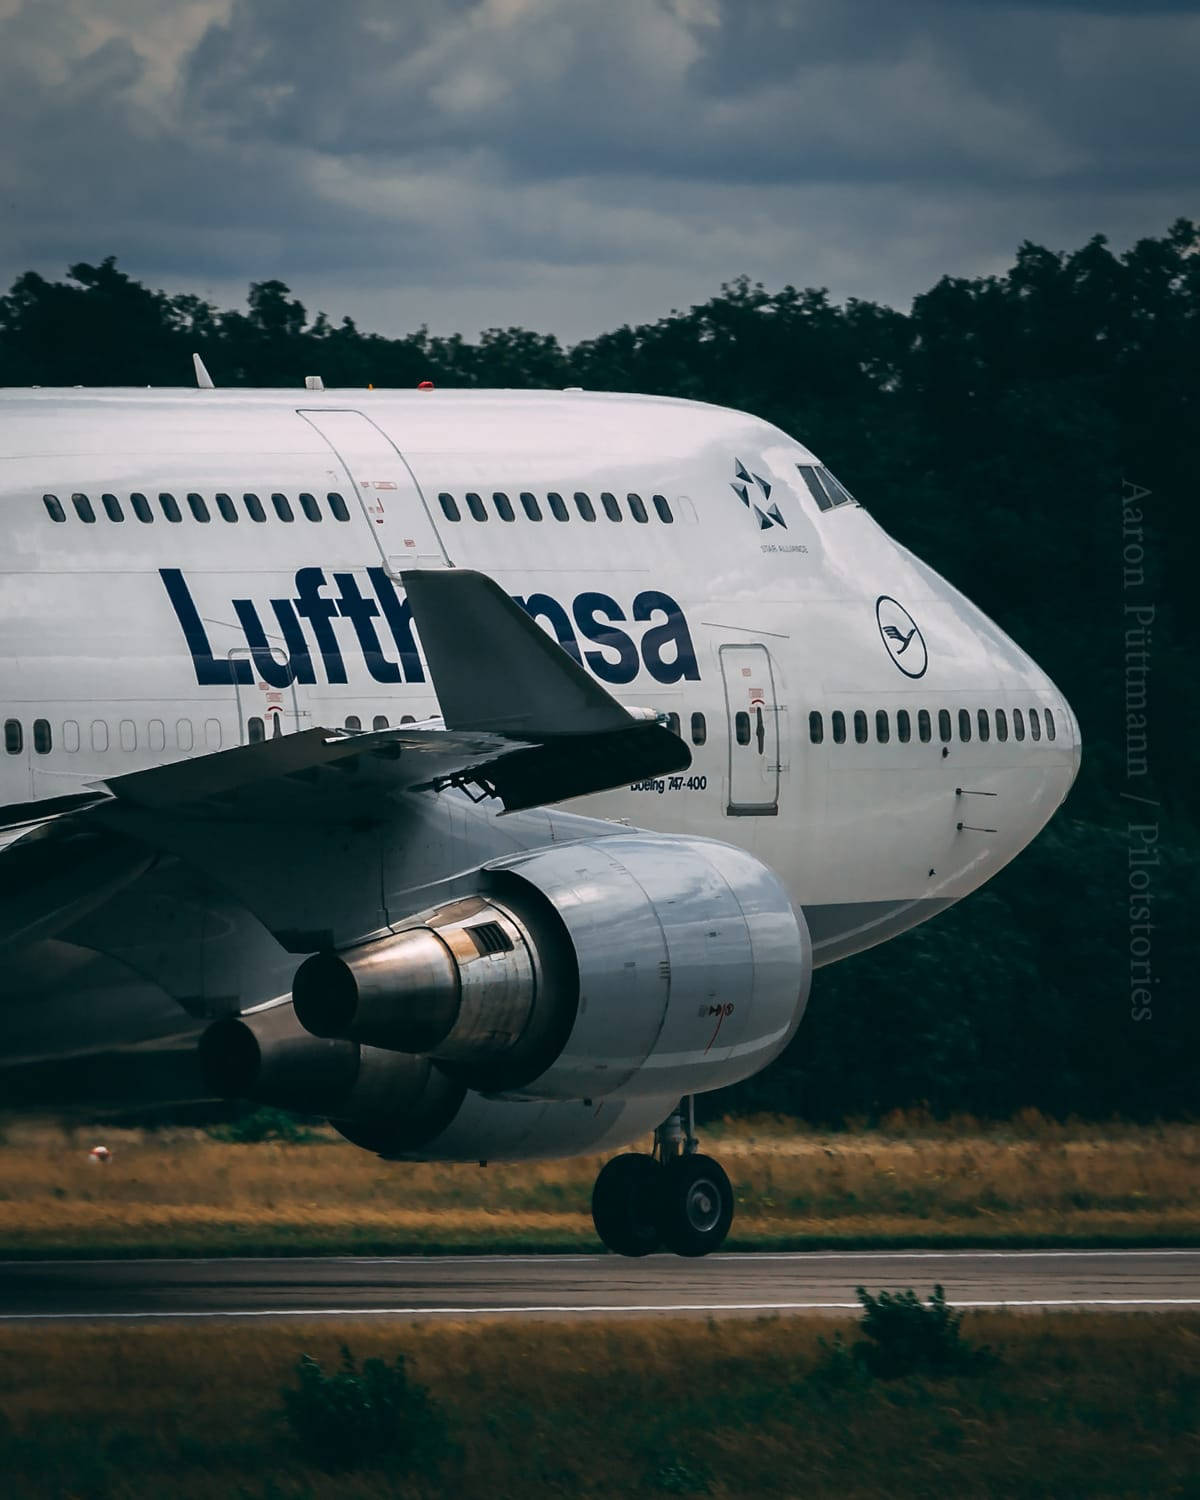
[(561, 1286)]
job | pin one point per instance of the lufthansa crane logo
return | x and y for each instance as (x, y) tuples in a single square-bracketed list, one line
[(900, 635)]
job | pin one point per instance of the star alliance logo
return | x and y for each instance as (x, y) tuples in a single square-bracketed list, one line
[(745, 485)]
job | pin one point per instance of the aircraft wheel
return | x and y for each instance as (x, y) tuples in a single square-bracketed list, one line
[(695, 1205), (625, 1204)]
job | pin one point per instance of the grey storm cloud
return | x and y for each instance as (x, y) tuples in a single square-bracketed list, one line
[(574, 163)]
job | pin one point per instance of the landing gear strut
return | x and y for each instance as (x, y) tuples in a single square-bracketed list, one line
[(675, 1198)]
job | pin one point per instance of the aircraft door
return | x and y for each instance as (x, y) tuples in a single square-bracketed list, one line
[(753, 716), (265, 712), (383, 484)]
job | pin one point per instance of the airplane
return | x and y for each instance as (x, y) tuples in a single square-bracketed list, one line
[(487, 772)]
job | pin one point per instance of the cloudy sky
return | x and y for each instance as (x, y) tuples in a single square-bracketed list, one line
[(574, 164)]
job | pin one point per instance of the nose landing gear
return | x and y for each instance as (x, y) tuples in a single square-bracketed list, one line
[(676, 1198)]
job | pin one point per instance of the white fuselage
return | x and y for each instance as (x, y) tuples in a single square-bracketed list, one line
[(763, 622)]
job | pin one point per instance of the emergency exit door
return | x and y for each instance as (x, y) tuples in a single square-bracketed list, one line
[(384, 486), (753, 714)]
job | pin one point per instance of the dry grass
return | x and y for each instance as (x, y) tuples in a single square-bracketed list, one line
[(181, 1192), (1078, 1406)]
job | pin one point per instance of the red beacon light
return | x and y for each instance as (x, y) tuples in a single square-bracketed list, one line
[(425, 385)]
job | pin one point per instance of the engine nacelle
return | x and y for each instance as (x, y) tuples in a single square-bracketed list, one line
[(635, 964)]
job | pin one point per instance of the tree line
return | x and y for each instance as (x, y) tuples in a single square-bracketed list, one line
[(1035, 436)]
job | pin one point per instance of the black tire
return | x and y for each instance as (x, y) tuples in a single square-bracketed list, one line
[(625, 1204), (695, 1205)]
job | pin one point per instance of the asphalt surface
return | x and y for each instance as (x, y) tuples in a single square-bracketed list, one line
[(548, 1286)]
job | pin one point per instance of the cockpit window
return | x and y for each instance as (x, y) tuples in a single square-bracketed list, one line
[(824, 488)]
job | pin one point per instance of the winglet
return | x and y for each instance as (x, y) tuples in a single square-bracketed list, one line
[(203, 379), (494, 668)]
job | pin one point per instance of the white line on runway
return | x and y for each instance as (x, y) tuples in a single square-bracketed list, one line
[(506, 1311)]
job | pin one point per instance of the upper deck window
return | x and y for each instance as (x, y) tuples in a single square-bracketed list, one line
[(504, 507), (83, 508), (141, 507), (338, 506), (558, 506), (170, 507), (611, 509), (283, 507), (308, 504), (661, 506), (449, 507), (254, 507), (475, 506), (530, 506), (584, 506), (198, 508), (54, 508), (226, 507), (112, 507)]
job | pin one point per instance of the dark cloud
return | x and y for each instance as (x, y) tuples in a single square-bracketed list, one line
[(576, 162)]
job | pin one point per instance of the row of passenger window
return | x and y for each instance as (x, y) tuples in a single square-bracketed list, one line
[(984, 724), (557, 506), (824, 488), (128, 735), (171, 510)]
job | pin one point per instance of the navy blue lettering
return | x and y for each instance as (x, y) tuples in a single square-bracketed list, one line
[(280, 674), (354, 606), (210, 672), (399, 618), (541, 606), (320, 612), (682, 663), (587, 609)]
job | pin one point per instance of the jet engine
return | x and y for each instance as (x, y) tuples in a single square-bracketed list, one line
[(633, 965)]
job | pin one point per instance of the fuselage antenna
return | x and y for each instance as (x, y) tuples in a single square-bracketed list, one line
[(203, 379)]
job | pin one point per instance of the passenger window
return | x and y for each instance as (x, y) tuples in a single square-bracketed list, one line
[(1050, 729), (883, 731), (226, 507), (83, 508), (475, 506), (504, 506), (673, 724), (985, 724), (816, 727), (924, 728), (54, 508), (198, 508), (14, 736), (558, 506), (1035, 725), (699, 729), (353, 721), (128, 734), (611, 509), (964, 725), (379, 721), (838, 721), (184, 737), (99, 734), (944, 731), (661, 506), (112, 507), (815, 488), (903, 726), (141, 507), (584, 506), (170, 507), (157, 734), (860, 726), (256, 731), (741, 727), (337, 507), (283, 507), (637, 509), (1018, 724), (254, 507), (71, 736), (449, 507), (407, 719), (530, 506), (1001, 724), (42, 740), (212, 733), (308, 504)]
